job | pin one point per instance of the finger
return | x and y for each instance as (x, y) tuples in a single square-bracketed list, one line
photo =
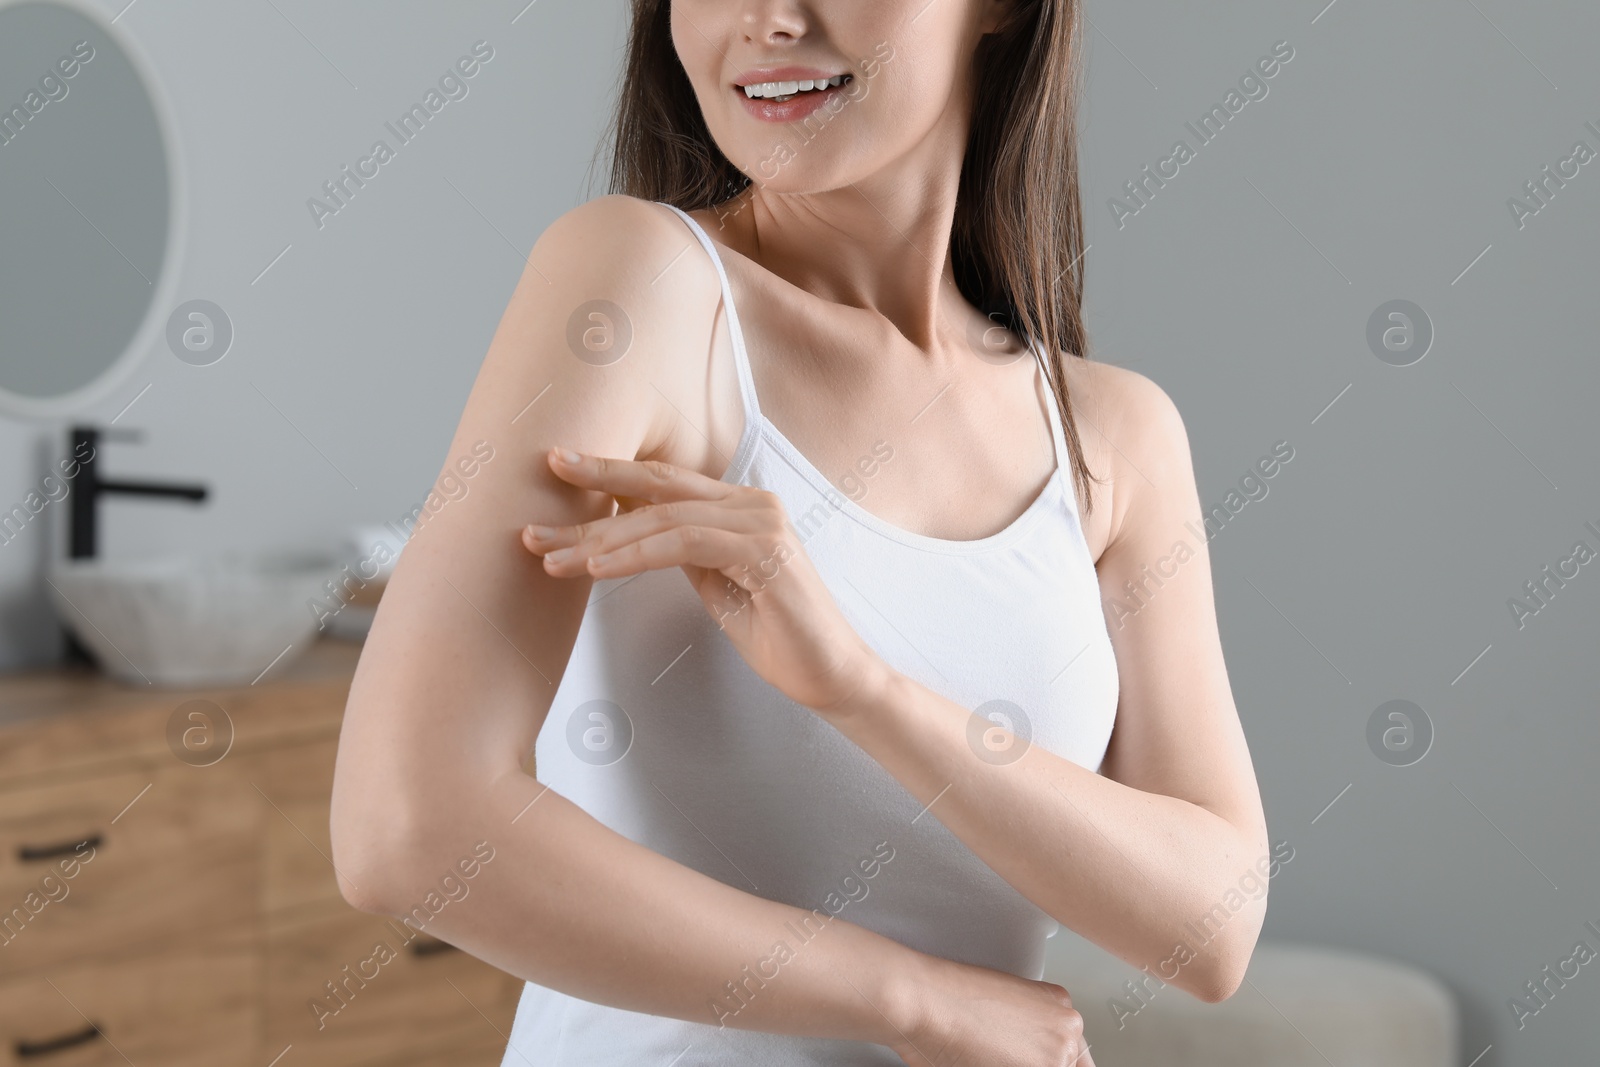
[(649, 480), (610, 533), (697, 546)]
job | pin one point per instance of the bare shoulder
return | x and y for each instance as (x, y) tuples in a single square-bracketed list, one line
[(1134, 437), (609, 311), (599, 229), (626, 251), (1132, 408)]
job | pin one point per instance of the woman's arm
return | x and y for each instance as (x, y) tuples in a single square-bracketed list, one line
[(464, 655), (1138, 860), (459, 671)]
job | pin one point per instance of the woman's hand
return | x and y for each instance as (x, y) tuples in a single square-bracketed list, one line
[(967, 1015), (737, 547)]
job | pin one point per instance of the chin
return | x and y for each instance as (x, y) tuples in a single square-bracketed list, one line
[(786, 170)]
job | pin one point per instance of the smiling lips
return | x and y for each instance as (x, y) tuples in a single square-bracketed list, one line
[(782, 90), (787, 94)]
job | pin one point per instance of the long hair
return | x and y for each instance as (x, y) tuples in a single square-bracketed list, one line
[(1017, 241)]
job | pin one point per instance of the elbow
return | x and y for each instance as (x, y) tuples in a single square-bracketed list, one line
[(366, 872), (380, 825), (388, 851), (374, 854), (363, 886), (1221, 984), (392, 834), (1228, 960), (1225, 968)]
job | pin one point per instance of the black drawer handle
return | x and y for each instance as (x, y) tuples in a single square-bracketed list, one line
[(55, 1044), (431, 948), (27, 853)]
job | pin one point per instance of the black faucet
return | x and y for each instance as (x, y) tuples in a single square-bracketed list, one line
[(89, 486)]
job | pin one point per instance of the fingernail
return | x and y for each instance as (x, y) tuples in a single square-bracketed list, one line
[(559, 555), (567, 455), (540, 532)]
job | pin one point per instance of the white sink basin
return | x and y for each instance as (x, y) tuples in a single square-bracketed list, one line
[(193, 620)]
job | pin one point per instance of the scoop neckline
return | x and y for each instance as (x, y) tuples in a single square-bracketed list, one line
[(836, 498), (758, 428)]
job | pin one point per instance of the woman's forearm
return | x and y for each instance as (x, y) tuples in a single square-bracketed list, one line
[(1132, 871), (569, 904)]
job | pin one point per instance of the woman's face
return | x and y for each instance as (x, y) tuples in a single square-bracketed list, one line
[(906, 68)]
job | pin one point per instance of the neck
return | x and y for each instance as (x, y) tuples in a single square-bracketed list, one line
[(881, 244)]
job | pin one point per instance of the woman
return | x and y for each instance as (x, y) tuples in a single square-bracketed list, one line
[(823, 801)]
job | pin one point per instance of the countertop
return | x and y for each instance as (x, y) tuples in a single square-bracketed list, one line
[(65, 689), (75, 720)]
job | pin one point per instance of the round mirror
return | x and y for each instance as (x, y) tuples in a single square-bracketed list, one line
[(88, 206)]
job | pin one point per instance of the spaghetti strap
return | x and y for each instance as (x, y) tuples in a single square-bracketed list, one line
[(741, 358), (1057, 430)]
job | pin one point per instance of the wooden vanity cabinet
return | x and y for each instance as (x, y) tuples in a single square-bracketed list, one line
[(161, 905)]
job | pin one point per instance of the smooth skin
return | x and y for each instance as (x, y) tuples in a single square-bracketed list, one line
[(857, 333)]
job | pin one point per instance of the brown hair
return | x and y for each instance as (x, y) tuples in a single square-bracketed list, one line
[(1018, 227)]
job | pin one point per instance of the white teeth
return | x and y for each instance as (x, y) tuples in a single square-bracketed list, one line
[(785, 90)]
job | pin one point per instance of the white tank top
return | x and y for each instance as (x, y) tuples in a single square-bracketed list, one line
[(663, 733)]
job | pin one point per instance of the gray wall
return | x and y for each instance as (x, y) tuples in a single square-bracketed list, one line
[(1379, 564), (1377, 567)]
